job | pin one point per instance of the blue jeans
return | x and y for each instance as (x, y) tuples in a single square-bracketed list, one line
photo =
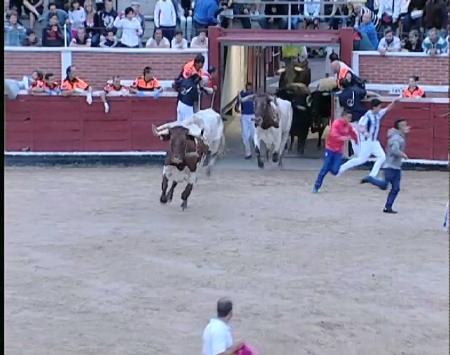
[(332, 163), (393, 177)]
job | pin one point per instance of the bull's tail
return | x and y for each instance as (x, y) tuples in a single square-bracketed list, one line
[(221, 150)]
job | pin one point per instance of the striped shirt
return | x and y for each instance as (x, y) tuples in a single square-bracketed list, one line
[(371, 122), (356, 18)]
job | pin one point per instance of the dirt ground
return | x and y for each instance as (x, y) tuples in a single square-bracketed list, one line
[(95, 265)]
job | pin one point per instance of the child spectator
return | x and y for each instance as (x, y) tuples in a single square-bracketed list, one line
[(413, 90), (31, 40), (200, 41), (131, 29), (53, 36), (136, 6), (434, 44), (146, 82), (77, 16), (34, 9), (113, 88), (109, 41), (92, 24), (165, 18), (81, 39), (72, 85), (14, 32), (158, 41), (178, 42), (389, 43), (369, 29), (107, 16), (413, 43)]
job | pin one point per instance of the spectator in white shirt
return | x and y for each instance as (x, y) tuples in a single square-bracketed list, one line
[(165, 18), (77, 17), (389, 43), (217, 337), (389, 13), (131, 29), (311, 13), (178, 42), (158, 41), (136, 6), (200, 41)]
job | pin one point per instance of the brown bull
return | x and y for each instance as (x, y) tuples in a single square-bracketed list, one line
[(181, 162)]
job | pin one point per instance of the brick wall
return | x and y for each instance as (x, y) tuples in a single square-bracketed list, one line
[(397, 69), (97, 68), (18, 64)]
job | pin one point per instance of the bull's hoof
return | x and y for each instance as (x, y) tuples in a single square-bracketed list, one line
[(163, 199), (184, 205), (275, 157), (260, 164)]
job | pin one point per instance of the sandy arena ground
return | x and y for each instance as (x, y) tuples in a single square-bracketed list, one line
[(95, 265)]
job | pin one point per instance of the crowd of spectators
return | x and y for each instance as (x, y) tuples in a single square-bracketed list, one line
[(384, 25)]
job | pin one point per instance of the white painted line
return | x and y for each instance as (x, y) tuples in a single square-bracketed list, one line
[(128, 153)]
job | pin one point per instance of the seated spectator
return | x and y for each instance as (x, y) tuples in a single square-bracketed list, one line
[(165, 18), (204, 14), (311, 13), (413, 90), (413, 43), (146, 82), (136, 6), (110, 40), (72, 85), (369, 29), (63, 17), (34, 9), (38, 84), (414, 16), (81, 39), (31, 39), (53, 36), (389, 43), (389, 13), (434, 44), (200, 41), (107, 16), (52, 86), (178, 42), (14, 32), (131, 29), (436, 14), (158, 41), (272, 22), (92, 24), (113, 88), (77, 16)]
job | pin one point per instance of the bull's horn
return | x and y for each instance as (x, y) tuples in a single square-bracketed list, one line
[(298, 69), (281, 70), (248, 98), (155, 130), (301, 108), (372, 93)]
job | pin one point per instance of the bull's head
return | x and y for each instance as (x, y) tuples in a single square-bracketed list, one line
[(178, 137), (266, 114)]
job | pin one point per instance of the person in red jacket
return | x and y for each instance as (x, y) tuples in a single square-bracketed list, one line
[(341, 131)]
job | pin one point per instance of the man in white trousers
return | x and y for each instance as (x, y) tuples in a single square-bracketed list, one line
[(369, 128), (247, 110)]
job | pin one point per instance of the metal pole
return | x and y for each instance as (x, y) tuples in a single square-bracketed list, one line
[(289, 17), (65, 35)]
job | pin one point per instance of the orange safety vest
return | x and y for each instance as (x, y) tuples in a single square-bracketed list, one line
[(110, 87), (51, 85), (417, 92), (74, 84), (143, 85), (343, 71), (189, 70)]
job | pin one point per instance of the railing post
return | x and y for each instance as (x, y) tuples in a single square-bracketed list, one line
[(289, 16), (65, 35)]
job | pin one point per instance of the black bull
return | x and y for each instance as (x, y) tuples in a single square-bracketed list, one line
[(310, 111)]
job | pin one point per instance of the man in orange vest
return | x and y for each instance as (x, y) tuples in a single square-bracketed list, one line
[(146, 82), (194, 66), (73, 85)]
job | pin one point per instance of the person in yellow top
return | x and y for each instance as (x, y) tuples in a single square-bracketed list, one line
[(73, 85), (413, 91), (146, 82)]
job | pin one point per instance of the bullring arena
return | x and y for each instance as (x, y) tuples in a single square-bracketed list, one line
[(95, 264)]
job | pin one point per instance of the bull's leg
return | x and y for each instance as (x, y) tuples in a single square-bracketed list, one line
[(210, 164), (185, 195), (319, 141), (172, 189), (292, 142), (258, 157), (302, 141), (164, 186), (275, 157)]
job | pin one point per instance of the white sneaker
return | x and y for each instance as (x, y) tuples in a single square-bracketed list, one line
[(106, 107), (89, 99)]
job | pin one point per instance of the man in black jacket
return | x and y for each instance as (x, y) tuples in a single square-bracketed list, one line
[(275, 22)]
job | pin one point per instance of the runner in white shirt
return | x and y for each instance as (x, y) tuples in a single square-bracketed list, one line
[(217, 337), (369, 128)]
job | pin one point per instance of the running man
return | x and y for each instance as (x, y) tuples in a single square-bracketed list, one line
[(341, 131), (369, 127), (393, 165), (247, 110)]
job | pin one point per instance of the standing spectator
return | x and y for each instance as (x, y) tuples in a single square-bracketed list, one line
[(34, 9), (434, 44), (53, 35), (356, 17), (158, 41), (81, 39), (247, 110), (217, 337), (131, 29), (436, 15), (389, 13), (72, 85), (14, 32), (92, 24), (413, 43), (63, 17), (369, 29), (311, 13), (413, 90), (136, 6), (225, 14), (178, 41), (414, 16), (113, 88), (165, 18), (200, 41), (393, 166), (389, 43), (110, 40), (205, 14), (77, 16), (184, 12), (31, 40), (341, 10), (146, 82), (107, 16), (272, 22)]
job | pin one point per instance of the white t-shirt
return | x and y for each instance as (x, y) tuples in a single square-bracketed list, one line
[(216, 337), (131, 30), (179, 45)]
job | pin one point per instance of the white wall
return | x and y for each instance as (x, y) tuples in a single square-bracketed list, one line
[(235, 74)]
